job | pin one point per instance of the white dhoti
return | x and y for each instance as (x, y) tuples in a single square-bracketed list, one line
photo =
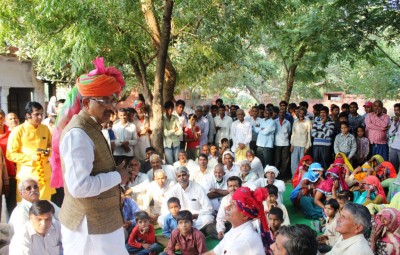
[(79, 242)]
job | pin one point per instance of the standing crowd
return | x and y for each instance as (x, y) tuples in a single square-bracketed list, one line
[(90, 182)]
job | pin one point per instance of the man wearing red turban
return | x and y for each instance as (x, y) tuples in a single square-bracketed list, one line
[(245, 206), (90, 216)]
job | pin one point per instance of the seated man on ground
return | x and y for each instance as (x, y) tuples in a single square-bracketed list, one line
[(29, 191), (201, 172), (353, 222), (192, 197), (217, 187), (139, 182), (156, 163), (184, 161), (40, 235)]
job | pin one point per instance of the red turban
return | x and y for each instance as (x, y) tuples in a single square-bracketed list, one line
[(101, 81)]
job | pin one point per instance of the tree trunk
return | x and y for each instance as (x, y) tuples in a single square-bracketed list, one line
[(157, 103), (290, 82), (255, 94)]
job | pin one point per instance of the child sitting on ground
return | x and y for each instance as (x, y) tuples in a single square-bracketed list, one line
[(275, 220), (142, 239), (272, 201), (189, 239), (170, 222), (331, 236)]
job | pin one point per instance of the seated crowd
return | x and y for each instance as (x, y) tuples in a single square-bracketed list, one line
[(224, 174)]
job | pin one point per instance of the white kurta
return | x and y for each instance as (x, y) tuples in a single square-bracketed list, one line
[(241, 240), (169, 171), (225, 128), (234, 171), (240, 133), (157, 194), (262, 182), (77, 150), (194, 199), (226, 200), (257, 167), (211, 183), (124, 133), (139, 189), (351, 246)]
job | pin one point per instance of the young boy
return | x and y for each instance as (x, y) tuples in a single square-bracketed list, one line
[(330, 236), (189, 239), (213, 152), (345, 142), (129, 209), (142, 239), (275, 220), (272, 201), (170, 222)]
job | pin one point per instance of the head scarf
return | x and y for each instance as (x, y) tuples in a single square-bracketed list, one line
[(346, 160), (297, 176), (230, 153), (138, 104), (378, 158), (392, 234), (272, 169), (250, 204), (101, 81), (326, 186), (374, 181), (311, 176)]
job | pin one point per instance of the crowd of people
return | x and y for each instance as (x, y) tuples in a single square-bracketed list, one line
[(90, 182)]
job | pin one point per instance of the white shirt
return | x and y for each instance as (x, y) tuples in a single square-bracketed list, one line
[(194, 199), (139, 189), (201, 178), (225, 201), (241, 240), (351, 246), (262, 182), (20, 215), (240, 133), (77, 150), (257, 167), (157, 194), (124, 133), (254, 123), (190, 165), (234, 171), (282, 132), (225, 128), (183, 121), (28, 242), (211, 183), (169, 171)]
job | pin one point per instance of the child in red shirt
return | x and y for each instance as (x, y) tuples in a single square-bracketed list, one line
[(142, 239)]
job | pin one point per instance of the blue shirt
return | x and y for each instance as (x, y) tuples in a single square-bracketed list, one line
[(129, 209), (170, 224), (266, 133)]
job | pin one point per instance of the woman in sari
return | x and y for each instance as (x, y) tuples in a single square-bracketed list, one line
[(345, 159), (307, 185), (383, 169), (385, 235), (373, 192), (302, 168)]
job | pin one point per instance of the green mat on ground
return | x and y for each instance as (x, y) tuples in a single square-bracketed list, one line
[(295, 215)]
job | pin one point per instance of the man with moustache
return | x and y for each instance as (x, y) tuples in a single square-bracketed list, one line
[(91, 220), (192, 197), (29, 191)]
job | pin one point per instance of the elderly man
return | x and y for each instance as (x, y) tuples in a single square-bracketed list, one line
[(41, 235), (156, 163), (29, 191), (295, 239), (192, 197), (138, 184), (29, 147), (217, 187), (241, 136), (183, 161), (12, 120), (231, 169), (376, 125), (270, 174), (156, 192), (242, 238), (353, 222), (91, 220)]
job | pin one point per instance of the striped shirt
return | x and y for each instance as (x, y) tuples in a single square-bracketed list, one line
[(322, 133)]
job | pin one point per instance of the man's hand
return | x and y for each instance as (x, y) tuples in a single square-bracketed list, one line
[(221, 235), (125, 174), (145, 245), (6, 189), (127, 224), (291, 149), (242, 146)]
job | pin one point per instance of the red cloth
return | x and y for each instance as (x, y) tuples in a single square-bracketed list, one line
[(190, 135), (374, 181), (3, 144), (193, 244), (297, 174), (136, 239)]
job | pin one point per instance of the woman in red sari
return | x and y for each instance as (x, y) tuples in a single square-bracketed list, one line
[(304, 163)]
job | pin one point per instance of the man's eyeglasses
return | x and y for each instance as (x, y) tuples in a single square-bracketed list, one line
[(29, 188), (104, 102)]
